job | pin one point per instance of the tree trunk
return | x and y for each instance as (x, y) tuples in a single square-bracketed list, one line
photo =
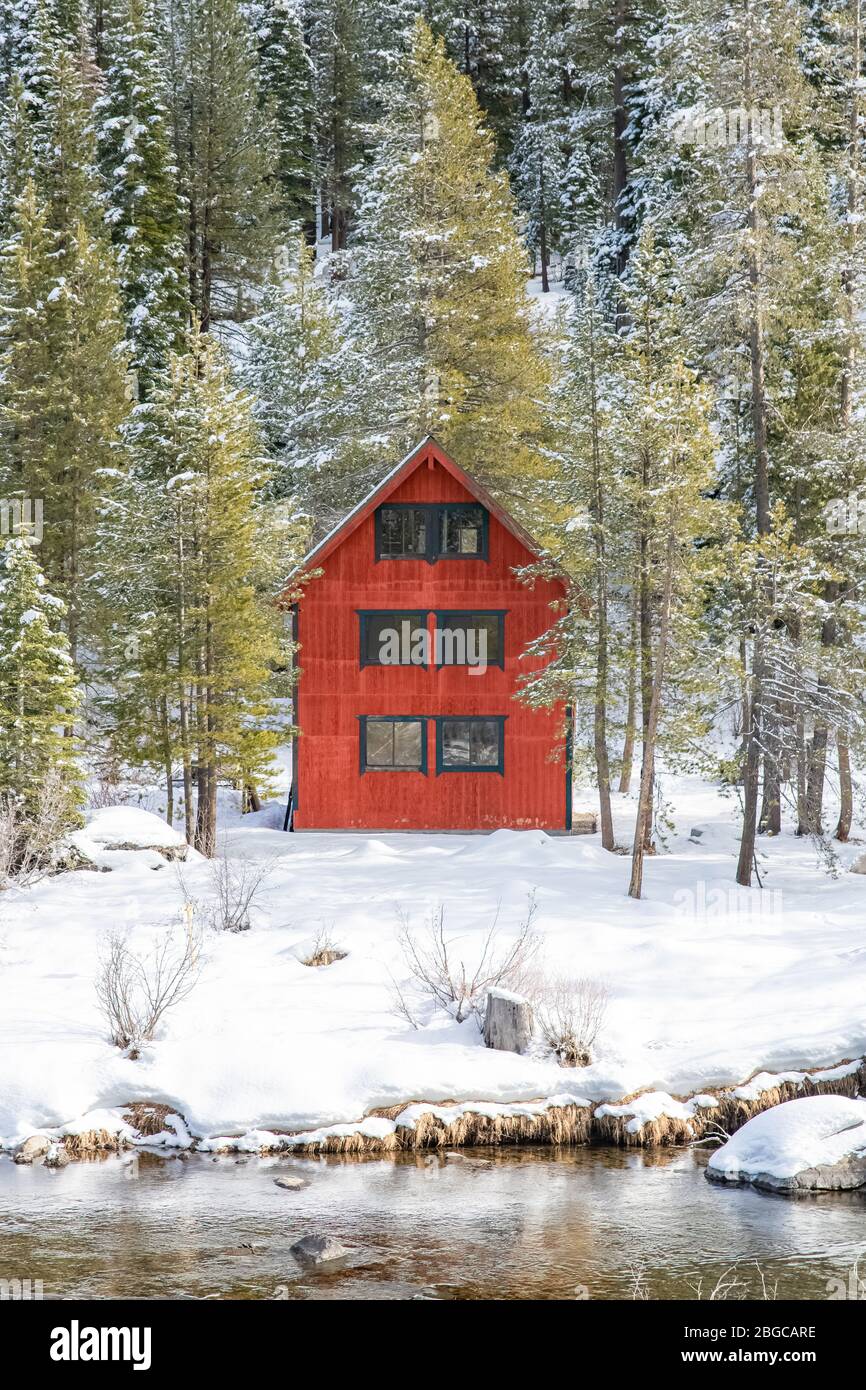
[(602, 761), (168, 761), (644, 805), (846, 796), (631, 710), (761, 480), (542, 237)]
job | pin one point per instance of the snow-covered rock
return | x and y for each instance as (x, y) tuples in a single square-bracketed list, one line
[(117, 828), (34, 1147), (814, 1144)]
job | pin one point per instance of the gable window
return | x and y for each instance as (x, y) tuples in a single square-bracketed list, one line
[(470, 745), (395, 743), (394, 638), (470, 639), (401, 532), (432, 531), (462, 530)]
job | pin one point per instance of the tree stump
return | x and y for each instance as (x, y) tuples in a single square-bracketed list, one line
[(507, 1021)]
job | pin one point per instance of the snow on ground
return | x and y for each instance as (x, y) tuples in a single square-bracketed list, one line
[(708, 983), (811, 1132)]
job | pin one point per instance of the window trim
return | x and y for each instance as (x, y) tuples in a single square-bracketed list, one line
[(439, 613), (365, 719), (433, 523), (364, 616), (442, 767)]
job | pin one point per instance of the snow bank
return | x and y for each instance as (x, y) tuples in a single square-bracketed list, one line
[(811, 1143), (707, 985), (116, 830)]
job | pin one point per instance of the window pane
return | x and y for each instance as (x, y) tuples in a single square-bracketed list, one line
[(485, 743), (392, 638), (391, 524), (462, 530), (407, 744), (455, 742), (402, 531), (380, 743), (465, 634)]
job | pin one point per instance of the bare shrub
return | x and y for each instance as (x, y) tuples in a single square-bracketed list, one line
[(325, 950), (30, 837), (457, 971), (569, 1014), (135, 992), (236, 885)]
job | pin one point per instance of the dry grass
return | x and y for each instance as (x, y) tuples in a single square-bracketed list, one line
[(92, 1141), (555, 1125), (325, 950), (147, 1117)]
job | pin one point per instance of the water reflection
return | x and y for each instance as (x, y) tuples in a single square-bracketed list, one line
[(508, 1223)]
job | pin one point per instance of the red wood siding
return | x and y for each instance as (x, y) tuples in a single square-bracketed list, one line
[(334, 689)]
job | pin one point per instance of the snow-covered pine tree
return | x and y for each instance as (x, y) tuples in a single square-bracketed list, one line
[(225, 143), (285, 82), (438, 280), (336, 48), (39, 696), (664, 429), (143, 212), (63, 393), (309, 388), (206, 555)]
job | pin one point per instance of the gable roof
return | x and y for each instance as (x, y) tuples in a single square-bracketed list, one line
[(427, 449)]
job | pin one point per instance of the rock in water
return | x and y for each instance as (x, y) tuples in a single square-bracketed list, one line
[(291, 1182), (32, 1148), (56, 1157), (507, 1021), (811, 1144), (318, 1250)]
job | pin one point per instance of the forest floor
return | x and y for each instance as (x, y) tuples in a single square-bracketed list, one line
[(708, 983)]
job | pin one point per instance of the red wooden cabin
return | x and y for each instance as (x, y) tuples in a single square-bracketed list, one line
[(423, 733)]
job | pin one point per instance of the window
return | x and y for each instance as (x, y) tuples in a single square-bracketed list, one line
[(438, 531), (462, 530), (470, 745), (393, 744), (394, 639), (470, 639), (401, 533)]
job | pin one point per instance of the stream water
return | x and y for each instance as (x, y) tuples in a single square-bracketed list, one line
[(482, 1224)]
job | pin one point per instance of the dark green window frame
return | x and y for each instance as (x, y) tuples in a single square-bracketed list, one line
[(436, 521), (364, 720), (366, 615), (442, 616), (496, 719)]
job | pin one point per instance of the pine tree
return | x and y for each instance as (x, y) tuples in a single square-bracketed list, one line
[(143, 213), (225, 144), (39, 696), (285, 82), (63, 394), (439, 280), (198, 571)]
